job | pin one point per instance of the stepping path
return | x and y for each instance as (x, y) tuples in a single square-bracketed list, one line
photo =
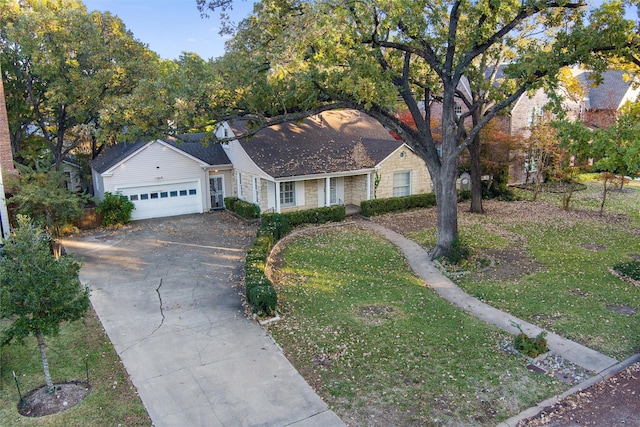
[(425, 269)]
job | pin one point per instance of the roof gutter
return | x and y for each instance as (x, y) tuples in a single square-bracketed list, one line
[(325, 175)]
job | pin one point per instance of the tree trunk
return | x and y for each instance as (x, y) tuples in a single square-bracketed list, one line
[(45, 364), (447, 205), (605, 179), (476, 175)]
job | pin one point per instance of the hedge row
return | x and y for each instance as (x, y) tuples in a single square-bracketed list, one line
[(369, 208), (242, 208), (260, 292)]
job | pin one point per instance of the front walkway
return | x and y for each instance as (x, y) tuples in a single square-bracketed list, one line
[(604, 366), (425, 269)]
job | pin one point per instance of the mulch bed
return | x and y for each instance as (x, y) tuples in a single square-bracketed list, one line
[(40, 402), (613, 402)]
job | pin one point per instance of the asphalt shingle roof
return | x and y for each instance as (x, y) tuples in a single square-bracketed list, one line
[(333, 141), (607, 95)]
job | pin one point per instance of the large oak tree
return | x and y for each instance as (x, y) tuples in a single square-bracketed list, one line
[(62, 66), (293, 58)]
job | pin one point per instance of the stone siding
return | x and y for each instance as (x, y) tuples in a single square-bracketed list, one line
[(399, 162)]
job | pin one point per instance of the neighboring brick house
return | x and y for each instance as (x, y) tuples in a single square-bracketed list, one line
[(6, 162), (335, 158), (598, 108)]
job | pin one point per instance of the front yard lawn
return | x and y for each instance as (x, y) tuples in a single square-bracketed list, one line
[(383, 349), (113, 400), (552, 266)]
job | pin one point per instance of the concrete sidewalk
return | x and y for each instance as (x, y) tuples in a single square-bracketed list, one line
[(604, 366), (421, 264), (163, 290)]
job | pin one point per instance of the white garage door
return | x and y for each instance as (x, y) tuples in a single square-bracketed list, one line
[(164, 200)]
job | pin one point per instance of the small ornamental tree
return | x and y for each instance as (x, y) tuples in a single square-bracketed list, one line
[(41, 195), (37, 291)]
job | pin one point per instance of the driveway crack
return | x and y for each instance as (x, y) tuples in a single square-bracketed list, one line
[(161, 307)]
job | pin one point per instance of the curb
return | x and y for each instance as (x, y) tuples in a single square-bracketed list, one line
[(601, 376)]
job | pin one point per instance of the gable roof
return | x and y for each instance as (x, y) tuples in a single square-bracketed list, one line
[(330, 142), (609, 94), (212, 154)]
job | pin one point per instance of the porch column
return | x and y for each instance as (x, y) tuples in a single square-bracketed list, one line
[(277, 196), (327, 191), (368, 186)]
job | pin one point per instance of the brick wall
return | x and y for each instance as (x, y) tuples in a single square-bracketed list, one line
[(6, 157)]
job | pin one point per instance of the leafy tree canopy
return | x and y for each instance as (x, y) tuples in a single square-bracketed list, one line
[(41, 195), (293, 58), (37, 291), (62, 67)]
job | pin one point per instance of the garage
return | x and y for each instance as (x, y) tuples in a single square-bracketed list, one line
[(162, 177), (156, 201)]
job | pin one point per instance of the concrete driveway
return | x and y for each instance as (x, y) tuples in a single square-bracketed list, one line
[(166, 292)]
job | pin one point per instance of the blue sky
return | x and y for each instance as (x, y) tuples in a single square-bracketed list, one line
[(170, 27)]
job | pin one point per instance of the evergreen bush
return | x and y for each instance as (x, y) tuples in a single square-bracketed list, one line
[(116, 209), (630, 269), (375, 207)]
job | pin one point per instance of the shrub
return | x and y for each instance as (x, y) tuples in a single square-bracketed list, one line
[(263, 298), (230, 202), (375, 207), (464, 195), (532, 347), (276, 225), (115, 209), (630, 269), (316, 216), (242, 208)]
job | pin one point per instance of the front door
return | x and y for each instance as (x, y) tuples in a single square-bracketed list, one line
[(216, 188)]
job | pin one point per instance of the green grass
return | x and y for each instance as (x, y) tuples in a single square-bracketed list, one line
[(113, 400), (572, 292), (376, 343)]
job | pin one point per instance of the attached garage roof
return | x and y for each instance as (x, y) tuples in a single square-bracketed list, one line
[(211, 154), (331, 142)]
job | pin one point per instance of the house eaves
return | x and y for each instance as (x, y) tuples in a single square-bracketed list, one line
[(323, 175)]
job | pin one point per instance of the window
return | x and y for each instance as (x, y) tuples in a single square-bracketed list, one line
[(239, 181), (183, 192), (530, 164), (256, 190), (144, 197), (333, 191), (535, 114), (401, 184), (287, 193), (133, 197), (192, 192), (154, 195), (164, 195), (458, 110), (173, 193)]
